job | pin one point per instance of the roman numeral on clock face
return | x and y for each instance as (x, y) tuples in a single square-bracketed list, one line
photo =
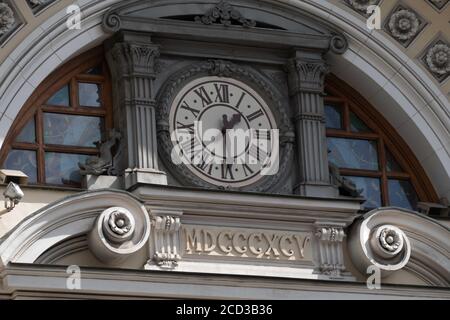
[(227, 171), (223, 93), (255, 115), (189, 127), (203, 94), (185, 106)]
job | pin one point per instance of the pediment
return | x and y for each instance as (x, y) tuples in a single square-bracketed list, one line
[(263, 22)]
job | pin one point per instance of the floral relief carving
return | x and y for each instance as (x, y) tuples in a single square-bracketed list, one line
[(404, 25), (224, 13), (437, 59), (362, 5), (7, 19)]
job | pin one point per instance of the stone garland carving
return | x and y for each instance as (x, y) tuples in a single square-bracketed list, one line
[(7, 19), (330, 258), (404, 25), (223, 69), (225, 14), (438, 59), (362, 5)]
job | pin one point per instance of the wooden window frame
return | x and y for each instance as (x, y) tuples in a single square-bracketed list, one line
[(341, 94), (70, 74)]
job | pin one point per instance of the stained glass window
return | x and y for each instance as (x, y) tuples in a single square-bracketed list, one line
[(57, 134)]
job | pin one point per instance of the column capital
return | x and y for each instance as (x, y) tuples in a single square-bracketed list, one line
[(307, 75), (136, 58)]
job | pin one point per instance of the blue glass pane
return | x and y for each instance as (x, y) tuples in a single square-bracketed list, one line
[(60, 98), (62, 169), (60, 129), (357, 125), (353, 153), (28, 133), (89, 94), (24, 161), (402, 194), (333, 117), (392, 164), (371, 191)]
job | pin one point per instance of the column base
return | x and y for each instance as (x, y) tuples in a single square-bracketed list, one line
[(317, 191), (144, 176)]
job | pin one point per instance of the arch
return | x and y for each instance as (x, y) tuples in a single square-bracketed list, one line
[(373, 65), (71, 217)]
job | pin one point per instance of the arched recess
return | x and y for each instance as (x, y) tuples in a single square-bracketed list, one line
[(373, 65), (59, 223)]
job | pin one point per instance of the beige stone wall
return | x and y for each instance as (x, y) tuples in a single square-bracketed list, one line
[(34, 200)]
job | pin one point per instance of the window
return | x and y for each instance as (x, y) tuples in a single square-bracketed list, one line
[(61, 123), (370, 153)]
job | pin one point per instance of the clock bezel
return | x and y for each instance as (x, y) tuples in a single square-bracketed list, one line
[(251, 78)]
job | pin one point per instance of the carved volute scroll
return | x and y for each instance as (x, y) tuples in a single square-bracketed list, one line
[(118, 233)]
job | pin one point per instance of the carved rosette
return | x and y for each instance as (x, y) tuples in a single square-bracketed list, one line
[(329, 257), (438, 59), (7, 19), (404, 25), (165, 245), (438, 4), (373, 243), (118, 233)]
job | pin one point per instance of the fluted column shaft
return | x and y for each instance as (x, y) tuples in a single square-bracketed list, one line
[(306, 86)]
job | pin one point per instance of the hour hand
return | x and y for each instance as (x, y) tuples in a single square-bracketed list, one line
[(235, 119)]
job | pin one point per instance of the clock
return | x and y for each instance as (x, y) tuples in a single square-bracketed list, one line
[(223, 130)]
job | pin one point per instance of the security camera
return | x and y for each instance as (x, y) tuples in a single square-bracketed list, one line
[(13, 193)]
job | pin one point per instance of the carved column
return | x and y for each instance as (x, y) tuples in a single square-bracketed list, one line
[(132, 58), (165, 245), (306, 86)]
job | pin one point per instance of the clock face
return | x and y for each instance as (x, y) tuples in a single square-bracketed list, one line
[(223, 131)]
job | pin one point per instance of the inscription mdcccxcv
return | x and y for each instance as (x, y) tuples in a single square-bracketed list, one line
[(245, 243)]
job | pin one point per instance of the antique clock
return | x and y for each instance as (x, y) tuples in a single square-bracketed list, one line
[(219, 127)]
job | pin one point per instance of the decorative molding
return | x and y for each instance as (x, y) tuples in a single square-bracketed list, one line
[(248, 75), (165, 246), (436, 59), (329, 256), (404, 25), (225, 14), (307, 75), (439, 5)]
